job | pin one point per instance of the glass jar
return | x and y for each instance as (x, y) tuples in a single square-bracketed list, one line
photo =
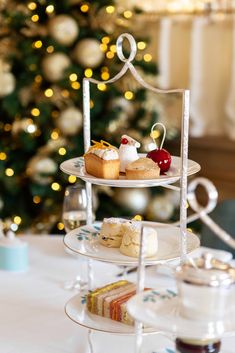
[(206, 289), (187, 346)]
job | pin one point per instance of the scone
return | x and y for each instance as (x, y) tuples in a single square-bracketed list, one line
[(102, 161), (111, 232), (130, 245), (143, 168)]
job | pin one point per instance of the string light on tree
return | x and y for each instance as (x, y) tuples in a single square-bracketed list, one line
[(141, 45), (37, 44), (50, 9), (72, 179), (129, 95), (84, 8), (105, 40), (60, 226), (35, 18), (88, 73), (49, 92), (110, 9), (56, 186), (102, 86), (3, 156), (62, 151), (148, 57), (9, 172), (32, 6)]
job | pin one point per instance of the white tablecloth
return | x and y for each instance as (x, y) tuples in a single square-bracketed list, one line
[(32, 318)]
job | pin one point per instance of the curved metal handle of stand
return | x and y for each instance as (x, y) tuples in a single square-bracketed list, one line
[(202, 212)]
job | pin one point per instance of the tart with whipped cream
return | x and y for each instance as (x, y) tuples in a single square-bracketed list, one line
[(102, 160), (143, 168)]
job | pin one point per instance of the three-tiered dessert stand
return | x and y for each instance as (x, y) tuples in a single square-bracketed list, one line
[(174, 242)]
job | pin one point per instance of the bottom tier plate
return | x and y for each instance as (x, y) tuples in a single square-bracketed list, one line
[(160, 309), (76, 310)]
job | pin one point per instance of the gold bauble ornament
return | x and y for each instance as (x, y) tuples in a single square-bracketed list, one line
[(70, 121), (54, 65), (64, 29), (135, 200), (8, 83), (40, 168), (88, 53)]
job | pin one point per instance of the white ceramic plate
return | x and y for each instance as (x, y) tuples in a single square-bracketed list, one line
[(83, 240), (75, 166), (76, 311), (160, 308)]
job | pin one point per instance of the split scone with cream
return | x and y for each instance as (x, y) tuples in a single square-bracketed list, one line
[(130, 245), (110, 301), (111, 232), (143, 168), (102, 160)]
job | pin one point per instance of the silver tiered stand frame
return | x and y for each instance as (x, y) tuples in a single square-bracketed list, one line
[(183, 154)]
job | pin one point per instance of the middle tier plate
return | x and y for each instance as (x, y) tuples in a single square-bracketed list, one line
[(84, 241), (76, 167)]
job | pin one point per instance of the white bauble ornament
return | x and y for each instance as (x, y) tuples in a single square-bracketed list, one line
[(174, 197), (124, 105), (88, 53), (134, 199), (54, 65), (39, 167), (64, 29), (160, 208), (8, 83), (70, 121)]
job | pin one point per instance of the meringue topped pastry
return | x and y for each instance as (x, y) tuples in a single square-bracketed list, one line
[(127, 151)]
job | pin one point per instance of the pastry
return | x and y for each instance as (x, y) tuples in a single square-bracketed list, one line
[(130, 245), (127, 151), (143, 168), (111, 232), (110, 301), (102, 160)]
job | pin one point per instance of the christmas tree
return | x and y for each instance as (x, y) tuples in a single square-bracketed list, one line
[(46, 50)]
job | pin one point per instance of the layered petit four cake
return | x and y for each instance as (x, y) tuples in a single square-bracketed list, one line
[(102, 160), (130, 245), (110, 301), (143, 168), (127, 151), (111, 232)]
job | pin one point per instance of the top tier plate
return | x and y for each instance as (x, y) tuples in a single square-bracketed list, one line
[(75, 166)]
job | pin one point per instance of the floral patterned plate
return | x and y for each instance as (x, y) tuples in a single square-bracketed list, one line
[(160, 309), (76, 310), (75, 166), (84, 241)]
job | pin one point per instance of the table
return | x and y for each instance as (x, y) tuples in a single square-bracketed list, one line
[(32, 318)]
